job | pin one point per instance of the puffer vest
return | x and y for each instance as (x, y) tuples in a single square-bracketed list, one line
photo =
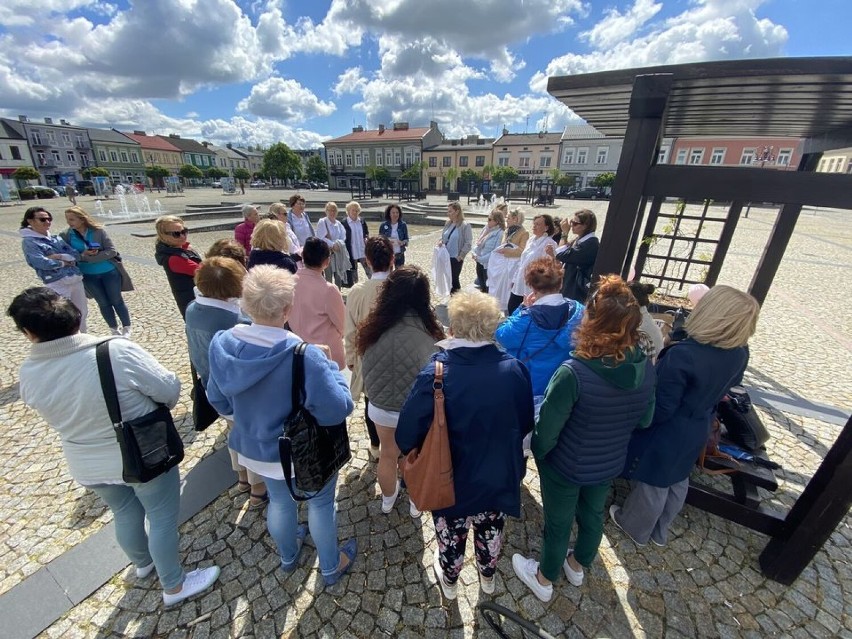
[(593, 443)]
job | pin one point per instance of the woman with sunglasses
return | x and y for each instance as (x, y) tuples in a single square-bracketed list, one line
[(178, 258), (54, 260), (578, 255)]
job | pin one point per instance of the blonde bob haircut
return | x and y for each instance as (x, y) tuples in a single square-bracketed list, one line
[(516, 213), (498, 216), (331, 206), (267, 293), (474, 316), (353, 206), (725, 317), (88, 220), (457, 207), (279, 210), (270, 235), (163, 221)]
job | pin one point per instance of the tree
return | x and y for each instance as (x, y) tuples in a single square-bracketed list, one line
[(190, 172), (26, 173), (503, 174), (242, 175), (452, 174), (316, 169), (282, 163), (94, 171), (604, 179), (378, 174), (487, 171), (554, 174), (466, 177), (413, 172), (156, 173), (214, 173)]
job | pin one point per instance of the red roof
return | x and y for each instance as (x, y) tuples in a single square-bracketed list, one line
[(415, 133), (152, 142)]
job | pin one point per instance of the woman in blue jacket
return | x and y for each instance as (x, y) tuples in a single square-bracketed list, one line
[(396, 231), (484, 435), (693, 375)]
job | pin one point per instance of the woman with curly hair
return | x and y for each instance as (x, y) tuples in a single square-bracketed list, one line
[(592, 405), (395, 341)]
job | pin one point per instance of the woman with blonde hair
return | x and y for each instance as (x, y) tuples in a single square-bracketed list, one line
[(593, 403), (457, 238), (270, 245), (101, 276), (177, 257), (488, 240), (504, 260), (332, 232), (278, 211), (693, 376)]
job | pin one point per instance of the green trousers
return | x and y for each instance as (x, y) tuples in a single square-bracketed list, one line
[(563, 502)]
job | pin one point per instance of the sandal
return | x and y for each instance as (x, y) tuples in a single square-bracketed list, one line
[(243, 486), (349, 549), (256, 502)]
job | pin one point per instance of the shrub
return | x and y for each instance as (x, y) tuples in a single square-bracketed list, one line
[(27, 194)]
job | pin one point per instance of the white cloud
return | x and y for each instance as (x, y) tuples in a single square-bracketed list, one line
[(617, 27), (350, 81), (18, 13), (285, 100)]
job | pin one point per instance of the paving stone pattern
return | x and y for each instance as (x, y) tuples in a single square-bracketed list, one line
[(705, 583)]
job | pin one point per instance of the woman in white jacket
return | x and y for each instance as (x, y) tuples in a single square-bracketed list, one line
[(542, 230)]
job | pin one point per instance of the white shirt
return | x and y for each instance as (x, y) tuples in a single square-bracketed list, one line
[(301, 227), (356, 231), (394, 236), (330, 231), (533, 250)]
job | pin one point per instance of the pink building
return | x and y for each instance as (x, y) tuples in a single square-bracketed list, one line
[(775, 153)]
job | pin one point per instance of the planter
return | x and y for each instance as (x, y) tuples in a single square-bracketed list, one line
[(453, 196)]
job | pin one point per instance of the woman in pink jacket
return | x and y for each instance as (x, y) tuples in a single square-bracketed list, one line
[(318, 314)]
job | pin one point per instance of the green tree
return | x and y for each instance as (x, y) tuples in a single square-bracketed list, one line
[(281, 162), (413, 172), (466, 177), (190, 172), (452, 174), (26, 173), (487, 171), (242, 175), (503, 174), (157, 173), (554, 174), (377, 174), (94, 171), (566, 180), (316, 169), (604, 179), (214, 173)]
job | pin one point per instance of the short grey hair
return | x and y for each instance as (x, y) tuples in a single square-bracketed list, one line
[(247, 209), (267, 292)]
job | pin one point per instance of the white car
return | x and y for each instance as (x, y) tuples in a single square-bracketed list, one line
[(258, 183)]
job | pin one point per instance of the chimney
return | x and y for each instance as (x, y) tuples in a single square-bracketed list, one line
[(229, 145), (381, 129), (505, 131), (205, 144), (174, 136), (65, 122), (48, 120), (433, 124), (23, 118), (400, 126), (139, 133), (357, 129)]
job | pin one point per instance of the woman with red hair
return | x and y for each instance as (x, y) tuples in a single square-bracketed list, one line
[(593, 403)]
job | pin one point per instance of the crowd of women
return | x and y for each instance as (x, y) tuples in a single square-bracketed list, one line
[(578, 381)]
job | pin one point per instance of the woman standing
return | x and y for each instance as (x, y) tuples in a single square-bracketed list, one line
[(542, 228), (503, 264), (180, 261), (299, 220), (484, 435), (693, 376), (54, 260), (488, 240), (332, 232), (319, 317), (251, 374), (577, 255), (395, 342), (457, 238), (593, 403), (396, 231), (652, 336), (270, 245), (277, 211), (101, 277)]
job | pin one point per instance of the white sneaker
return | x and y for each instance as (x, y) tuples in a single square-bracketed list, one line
[(575, 577), (126, 331), (527, 571), (115, 331), (196, 581), (487, 584), (144, 571), (413, 510), (450, 591), (388, 502)]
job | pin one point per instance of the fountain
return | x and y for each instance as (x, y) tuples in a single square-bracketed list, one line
[(484, 204), (131, 204)]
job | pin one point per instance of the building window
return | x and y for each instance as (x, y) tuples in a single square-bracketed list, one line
[(603, 153), (463, 160), (447, 160), (79, 138), (718, 156), (503, 160), (747, 157), (36, 137), (524, 162), (480, 160), (417, 156), (662, 156), (72, 159), (113, 156), (51, 138), (544, 161), (379, 156), (56, 157), (124, 157), (42, 160), (349, 158), (397, 157), (681, 156), (84, 159), (696, 156), (388, 158), (784, 157), (582, 155), (358, 158), (409, 158), (16, 152), (102, 155), (135, 157), (433, 162), (66, 138), (569, 156)]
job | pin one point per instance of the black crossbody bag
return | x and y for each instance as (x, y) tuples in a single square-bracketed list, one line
[(310, 453), (150, 445)]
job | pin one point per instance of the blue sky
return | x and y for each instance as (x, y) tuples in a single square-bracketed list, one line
[(258, 72)]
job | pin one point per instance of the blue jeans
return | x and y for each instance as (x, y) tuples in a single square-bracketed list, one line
[(159, 499), (105, 288), (282, 519)]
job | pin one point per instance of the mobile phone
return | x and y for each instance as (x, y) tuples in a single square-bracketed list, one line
[(94, 246)]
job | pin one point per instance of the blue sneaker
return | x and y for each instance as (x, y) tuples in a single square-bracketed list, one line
[(301, 533), (350, 548)]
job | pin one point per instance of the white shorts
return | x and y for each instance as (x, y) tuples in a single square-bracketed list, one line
[(383, 417)]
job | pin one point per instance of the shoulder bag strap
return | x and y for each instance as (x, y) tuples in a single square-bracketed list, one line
[(438, 389), (298, 389), (108, 381)]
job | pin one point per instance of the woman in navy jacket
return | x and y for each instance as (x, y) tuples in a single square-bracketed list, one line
[(485, 436), (396, 231), (692, 377)]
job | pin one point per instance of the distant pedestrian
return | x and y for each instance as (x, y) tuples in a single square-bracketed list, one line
[(71, 193)]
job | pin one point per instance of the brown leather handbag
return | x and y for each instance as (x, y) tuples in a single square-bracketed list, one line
[(428, 472)]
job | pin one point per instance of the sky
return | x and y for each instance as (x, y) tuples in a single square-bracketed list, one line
[(254, 72)]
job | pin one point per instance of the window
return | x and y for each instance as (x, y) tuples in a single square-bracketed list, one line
[(409, 158), (72, 159), (66, 138), (135, 158), (544, 161), (747, 157), (717, 156), (503, 160), (36, 137), (524, 162), (662, 156), (348, 158), (696, 156), (16, 152), (79, 138), (84, 159), (56, 157), (358, 158), (447, 160), (42, 160), (463, 160), (124, 157), (569, 156), (388, 158), (51, 138), (433, 162), (379, 156), (681, 156), (480, 160), (784, 157), (417, 156), (397, 157), (603, 153), (582, 155), (102, 155)]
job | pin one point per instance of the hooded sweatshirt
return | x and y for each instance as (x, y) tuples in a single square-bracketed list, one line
[(36, 249), (590, 409), (251, 378)]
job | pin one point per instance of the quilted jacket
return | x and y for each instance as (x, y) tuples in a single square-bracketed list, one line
[(390, 366)]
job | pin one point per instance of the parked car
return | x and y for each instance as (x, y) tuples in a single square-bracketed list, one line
[(85, 187), (217, 184), (43, 192), (301, 184), (258, 184), (587, 193)]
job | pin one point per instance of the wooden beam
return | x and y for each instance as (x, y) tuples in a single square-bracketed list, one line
[(714, 501), (724, 243)]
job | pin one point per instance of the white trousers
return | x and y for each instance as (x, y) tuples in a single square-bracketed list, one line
[(72, 288)]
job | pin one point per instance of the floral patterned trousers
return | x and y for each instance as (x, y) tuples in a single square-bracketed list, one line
[(452, 538)]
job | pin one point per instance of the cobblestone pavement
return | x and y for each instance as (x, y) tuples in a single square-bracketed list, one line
[(706, 582)]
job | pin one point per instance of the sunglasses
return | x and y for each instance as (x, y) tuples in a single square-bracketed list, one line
[(574, 223), (43, 219), (178, 233)]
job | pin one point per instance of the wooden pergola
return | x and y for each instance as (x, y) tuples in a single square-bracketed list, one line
[(809, 98)]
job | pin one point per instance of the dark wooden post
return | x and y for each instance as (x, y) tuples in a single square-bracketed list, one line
[(724, 243), (817, 512), (641, 145)]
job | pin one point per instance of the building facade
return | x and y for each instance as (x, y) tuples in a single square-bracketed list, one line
[(118, 154), (253, 159), (192, 152), (770, 153), (836, 161), (396, 149), (455, 156), (585, 153), (533, 155), (14, 151), (60, 151), (157, 152)]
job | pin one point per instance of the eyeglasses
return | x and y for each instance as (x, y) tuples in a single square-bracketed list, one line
[(180, 233), (43, 219)]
